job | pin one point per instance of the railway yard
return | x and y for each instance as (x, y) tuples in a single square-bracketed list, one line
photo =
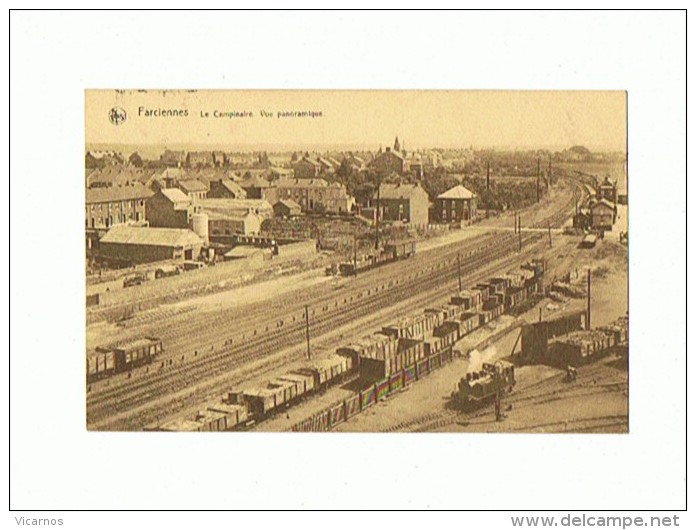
[(239, 337)]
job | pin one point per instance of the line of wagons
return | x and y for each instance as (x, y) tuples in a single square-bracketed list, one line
[(400, 352), (391, 252)]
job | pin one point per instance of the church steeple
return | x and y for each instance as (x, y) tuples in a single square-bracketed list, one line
[(397, 147)]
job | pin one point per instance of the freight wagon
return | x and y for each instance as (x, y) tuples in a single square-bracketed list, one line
[(400, 250), (579, 347), (123, 357), (469, 300), (515, 296)]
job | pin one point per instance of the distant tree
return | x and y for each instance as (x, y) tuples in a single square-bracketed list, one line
[(135, 160), (294, 157)]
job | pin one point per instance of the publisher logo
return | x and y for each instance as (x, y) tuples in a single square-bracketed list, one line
[(117, 115)]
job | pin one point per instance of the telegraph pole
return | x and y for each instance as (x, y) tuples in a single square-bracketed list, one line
[(589, 326), (537, 179), (355, 255), (459, 270), (306, 313), (488, 185), (548, 223), (498, 376), (379, 185), (519, 230)]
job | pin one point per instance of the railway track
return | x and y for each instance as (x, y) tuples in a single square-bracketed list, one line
[(233, 354), (224, 360), (226, 380), (525, 397)]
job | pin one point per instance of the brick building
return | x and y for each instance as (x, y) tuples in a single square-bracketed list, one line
[(315, 194), (602, 214), (306, 168), (200, 159), (173, 158), (236, 207), (195, 189), (455, 205), (607, 190), (406, 203), (243, 223), (389, 162), (286, 208), (107, 207), (225, 189), (170, 208)]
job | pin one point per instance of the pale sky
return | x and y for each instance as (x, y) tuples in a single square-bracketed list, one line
[(596, 119)]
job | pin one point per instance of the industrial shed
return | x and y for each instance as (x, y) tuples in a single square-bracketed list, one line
[(286, 208), (128, 245)]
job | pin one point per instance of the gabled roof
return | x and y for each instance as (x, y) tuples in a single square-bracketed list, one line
[(192, 185), (119, 193), (301, 183), (289, 203), (181, 155), (98, 155), (233, 187), (390, 152), (308, 161), (173, 173), (175, 195), (458, 192), (400, 191), (232, 215), (602, 202), (327, 162), (254, 181), (117, 176), (161, 237), (232, 205)]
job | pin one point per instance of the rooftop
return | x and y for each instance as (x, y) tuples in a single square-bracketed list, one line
[(161, 237), (192, 185), (226, 205), (458, 192), (289, 203), (602, 202), (301, 183), (232, 187), (175, 195), (400, 191), (115, 194)]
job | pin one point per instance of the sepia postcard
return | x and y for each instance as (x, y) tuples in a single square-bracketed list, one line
[(356, 261)]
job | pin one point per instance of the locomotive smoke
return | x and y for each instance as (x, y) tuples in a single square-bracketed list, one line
[(477, 358)]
